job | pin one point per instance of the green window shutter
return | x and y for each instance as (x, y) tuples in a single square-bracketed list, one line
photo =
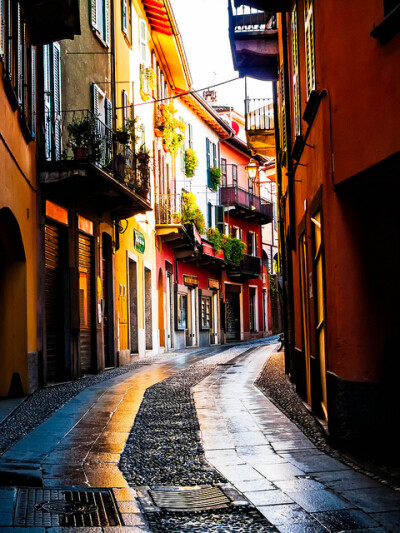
[(107, 22), (125, 108), (208, 156), (124, 16), (95, 99), (190, 136), (219, 218), (93, 13), (32, 117), (214, 155)]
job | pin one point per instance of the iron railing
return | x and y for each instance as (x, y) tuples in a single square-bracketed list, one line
[(249, 266), (259, 113), (168, 209), (82, 137), (245, 19), (235, 195)]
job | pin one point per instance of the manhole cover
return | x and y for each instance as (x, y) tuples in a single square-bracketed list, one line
[(186, 499), (66, 507)]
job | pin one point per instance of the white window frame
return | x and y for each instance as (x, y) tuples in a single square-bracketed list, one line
[(143, 41)]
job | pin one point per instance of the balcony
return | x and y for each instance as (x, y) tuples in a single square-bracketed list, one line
[(246, 204), (260, 132), (278, 6), (254, 42), (82, 162), (249, 268), (51, 20), (184, 239)]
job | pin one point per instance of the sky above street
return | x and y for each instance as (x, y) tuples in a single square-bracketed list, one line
[(203, 26)]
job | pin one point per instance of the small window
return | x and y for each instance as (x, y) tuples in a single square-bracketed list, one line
[(124, 16), (125, 108), (223, 172), (181, 311), (100, 19), (143, 40), (234, 175), (206, 312)]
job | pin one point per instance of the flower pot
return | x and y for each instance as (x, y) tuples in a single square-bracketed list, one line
[(80, 153), (122, 137)]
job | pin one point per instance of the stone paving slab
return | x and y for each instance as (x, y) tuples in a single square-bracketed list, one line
[(301, 489)]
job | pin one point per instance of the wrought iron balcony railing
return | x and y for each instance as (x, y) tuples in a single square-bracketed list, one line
[(81, 137), (259, 114), (233, 195), (249, 268), (168, 209)]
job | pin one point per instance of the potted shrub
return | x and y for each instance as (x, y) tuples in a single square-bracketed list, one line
[(176, 218), (233, 250), (172, 129), (191, 162), (122, 135), (215, 238), (83, 140)]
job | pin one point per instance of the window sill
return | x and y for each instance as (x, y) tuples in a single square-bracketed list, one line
[(388, 28), (100, 38)]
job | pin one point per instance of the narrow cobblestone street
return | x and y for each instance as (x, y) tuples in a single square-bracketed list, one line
[(191, 420)]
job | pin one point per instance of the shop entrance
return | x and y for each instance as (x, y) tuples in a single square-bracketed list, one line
[(232, 313)]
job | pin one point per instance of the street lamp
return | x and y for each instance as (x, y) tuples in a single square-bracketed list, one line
[(252, 169)]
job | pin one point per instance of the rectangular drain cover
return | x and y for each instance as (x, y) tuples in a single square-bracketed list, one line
[(66, 508), (187, 499)]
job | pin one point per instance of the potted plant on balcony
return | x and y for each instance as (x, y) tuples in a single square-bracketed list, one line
[(190, 212), (215, 238), (172, 129), (83, 139), (176, 217), (191, 162), (233, 250), (147, 82), (122, 135), (215, 178)]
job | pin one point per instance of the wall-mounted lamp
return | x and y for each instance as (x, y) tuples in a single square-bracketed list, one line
[(252, 169)]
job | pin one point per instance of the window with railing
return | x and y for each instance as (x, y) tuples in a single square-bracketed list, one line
[(99, 19)]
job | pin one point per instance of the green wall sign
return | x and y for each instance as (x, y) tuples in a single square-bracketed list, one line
[(139, 241)]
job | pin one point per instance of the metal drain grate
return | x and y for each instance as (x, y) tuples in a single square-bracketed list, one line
[(190, 499), (66, 508)]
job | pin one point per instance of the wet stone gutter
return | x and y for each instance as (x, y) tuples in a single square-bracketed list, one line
[(164, 448)]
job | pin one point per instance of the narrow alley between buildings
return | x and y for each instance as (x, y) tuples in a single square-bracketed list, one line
[(186, 443)]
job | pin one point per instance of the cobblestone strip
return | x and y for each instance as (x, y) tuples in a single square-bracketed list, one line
[(164, 448)]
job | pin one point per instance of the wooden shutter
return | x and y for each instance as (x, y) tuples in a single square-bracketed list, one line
[(107, 22), (125, 105), (214, 155), (85, 302), (95, 100), (18, 57), (2, 27), (47, 100), (93, 13), (190, 136), (219, 218), (108, 118), (296, 73), (32, 115), (208, 156), (124, 16), (309, 45), (57, 99), (209, 213)]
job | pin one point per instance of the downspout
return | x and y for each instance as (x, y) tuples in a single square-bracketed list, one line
[(113, 77)]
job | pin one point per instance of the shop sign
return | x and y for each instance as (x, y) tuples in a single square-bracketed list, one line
[(190, 281), (213, 284), (139, 241)]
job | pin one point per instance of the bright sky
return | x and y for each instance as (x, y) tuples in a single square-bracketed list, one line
[(204, 30)]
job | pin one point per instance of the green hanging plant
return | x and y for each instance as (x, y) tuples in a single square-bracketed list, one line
[(172, 129), (191, 162), (215, 238), (215, 178), (233, 250), (190, 212)]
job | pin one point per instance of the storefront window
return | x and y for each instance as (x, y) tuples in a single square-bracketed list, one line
[(205, 312), (182, 311)]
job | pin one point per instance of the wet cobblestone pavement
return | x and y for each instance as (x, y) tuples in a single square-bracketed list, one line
[(164, 448)]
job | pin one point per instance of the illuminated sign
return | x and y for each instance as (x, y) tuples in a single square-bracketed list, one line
[(190, 281)]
